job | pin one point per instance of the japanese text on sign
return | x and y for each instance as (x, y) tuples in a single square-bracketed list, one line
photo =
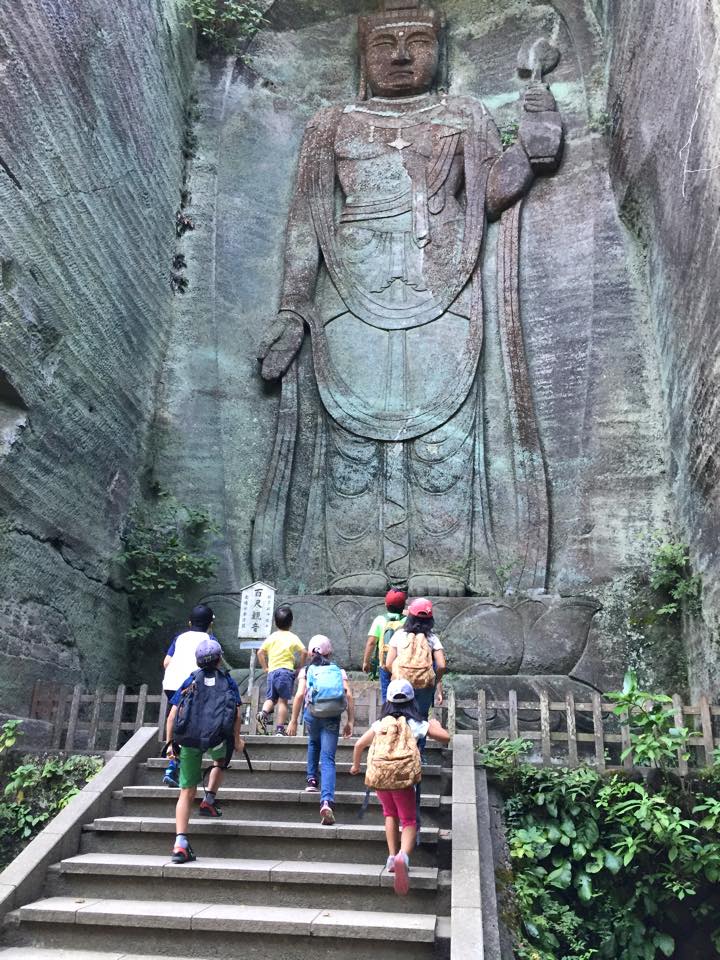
[(257, 603)]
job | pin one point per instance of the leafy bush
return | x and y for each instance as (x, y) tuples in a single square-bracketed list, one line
[(671, 573), (35, 791), (605, 867), (223, 23), (165, 555), (654, 738)]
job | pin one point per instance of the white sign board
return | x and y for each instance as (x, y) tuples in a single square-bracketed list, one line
[(257, 603)]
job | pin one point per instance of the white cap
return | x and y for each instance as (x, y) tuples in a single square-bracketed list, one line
[(400, 691)]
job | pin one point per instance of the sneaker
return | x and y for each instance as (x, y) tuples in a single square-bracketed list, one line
[(312, 786), (402, 883), (209, 809), (183, 854), (262, 721), (390, 865), (327, 817), (169, 781), (280, 732)]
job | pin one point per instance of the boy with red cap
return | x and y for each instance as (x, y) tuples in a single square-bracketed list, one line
[(381, 632)]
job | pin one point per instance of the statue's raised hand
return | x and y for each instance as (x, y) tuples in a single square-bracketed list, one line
[(280, 345)]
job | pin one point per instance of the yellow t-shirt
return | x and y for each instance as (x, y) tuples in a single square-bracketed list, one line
[(281, 648)]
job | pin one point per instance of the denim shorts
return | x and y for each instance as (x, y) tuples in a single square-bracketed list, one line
[(280, 684)]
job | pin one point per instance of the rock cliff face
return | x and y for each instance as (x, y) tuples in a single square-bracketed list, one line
[(93, 110), (664, 90)]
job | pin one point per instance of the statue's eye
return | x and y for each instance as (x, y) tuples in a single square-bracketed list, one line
[(420, 38), (383, 42)]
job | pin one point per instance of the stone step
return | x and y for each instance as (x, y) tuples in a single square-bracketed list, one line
[(276, 840), (281, 773), (196, 929), (295, 748), (46, 953), (251, 803), (292, 883)]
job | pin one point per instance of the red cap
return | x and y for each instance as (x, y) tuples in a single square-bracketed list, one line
[(420, 608), (395, 598)]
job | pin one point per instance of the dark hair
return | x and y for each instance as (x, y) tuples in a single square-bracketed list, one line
[(408, 709), (283, 618), (395, 608), (201, 616), (424, 625), (318, 660)]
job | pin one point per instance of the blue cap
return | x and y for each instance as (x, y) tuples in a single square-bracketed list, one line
[(207, 652)]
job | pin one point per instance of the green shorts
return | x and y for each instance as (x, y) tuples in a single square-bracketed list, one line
[(191, 764)]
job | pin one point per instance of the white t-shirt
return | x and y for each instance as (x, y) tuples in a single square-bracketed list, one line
[(417, 728), (400, 639), (183, 663)]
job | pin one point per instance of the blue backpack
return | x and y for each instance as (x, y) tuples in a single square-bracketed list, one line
[(327, 690), (206, 712)]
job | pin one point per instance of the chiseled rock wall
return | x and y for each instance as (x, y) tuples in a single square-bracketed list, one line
[(664, 91), (93, 99)]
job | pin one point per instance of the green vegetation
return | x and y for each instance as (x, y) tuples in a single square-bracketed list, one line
[(223, 24), (671, 574), (35, 791), (610, 867), (165, 555), (509, 133)]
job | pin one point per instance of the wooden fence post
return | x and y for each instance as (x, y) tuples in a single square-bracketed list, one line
[(707, 731), (73, 718), (513, 711), (625, 741), (571, 730), (142, 702), (59, 719), (482, 717), (598, 732), (95, 719), (162, 718), (451, 722), (679, 723), (545, 727), (117, 717)]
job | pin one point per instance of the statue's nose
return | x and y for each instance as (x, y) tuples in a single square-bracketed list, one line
[(401, 54)]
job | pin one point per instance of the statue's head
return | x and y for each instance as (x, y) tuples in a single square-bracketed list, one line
[(399, 50)]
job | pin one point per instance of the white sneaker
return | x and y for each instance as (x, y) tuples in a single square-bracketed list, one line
[(390, 865)]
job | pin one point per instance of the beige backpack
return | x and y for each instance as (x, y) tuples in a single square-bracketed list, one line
[(394, 759), (414, 662)]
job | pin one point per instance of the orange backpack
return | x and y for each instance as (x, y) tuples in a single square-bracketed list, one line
[(414, 662), (394, 759)]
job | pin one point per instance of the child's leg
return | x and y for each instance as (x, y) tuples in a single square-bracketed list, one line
[(329, 733), (281, 712), (392, 835), (405, 805), (267, 707), (312, 728), (183, 808)]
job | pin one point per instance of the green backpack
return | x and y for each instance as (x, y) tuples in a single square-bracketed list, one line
[(381, 647)]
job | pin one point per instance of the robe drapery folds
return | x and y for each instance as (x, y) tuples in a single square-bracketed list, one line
[(399, 485)]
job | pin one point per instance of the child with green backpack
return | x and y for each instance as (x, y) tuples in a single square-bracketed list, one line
[(324, 693), (380, 634), (394, 771)]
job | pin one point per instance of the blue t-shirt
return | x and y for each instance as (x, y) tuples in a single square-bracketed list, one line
[(175, 700)]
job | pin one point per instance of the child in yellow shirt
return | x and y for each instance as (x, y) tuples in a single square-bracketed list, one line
[(277, 655)]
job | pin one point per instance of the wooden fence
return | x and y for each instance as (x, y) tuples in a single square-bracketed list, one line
[(566, 732), (104, 721), (570, 732)]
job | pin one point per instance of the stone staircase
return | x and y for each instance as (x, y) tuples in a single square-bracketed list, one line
[(270, 880)]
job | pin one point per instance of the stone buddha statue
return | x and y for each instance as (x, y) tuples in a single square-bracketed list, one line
[(378, 470)]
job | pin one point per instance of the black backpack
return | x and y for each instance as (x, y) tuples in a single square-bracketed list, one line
[(206, 712)]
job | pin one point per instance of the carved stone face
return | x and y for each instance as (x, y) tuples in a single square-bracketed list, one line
[(401, 61)]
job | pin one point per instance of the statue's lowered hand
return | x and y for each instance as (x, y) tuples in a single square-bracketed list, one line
[(538, 99), (280, 345)]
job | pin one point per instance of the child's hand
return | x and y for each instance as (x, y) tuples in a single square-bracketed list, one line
[(355, 768), (239, 744), (347, 730), (291, 728), (170, 753)]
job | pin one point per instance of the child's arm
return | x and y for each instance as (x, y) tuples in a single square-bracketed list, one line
[(296, 707), (440, 663), (369, 648), (362, 744), (390, 657), (347, 732), (302, 656), (169, 726), (166, 661), (438, 732), (262, 658)]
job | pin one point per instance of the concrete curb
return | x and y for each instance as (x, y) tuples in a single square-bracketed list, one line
[(22, 881), (466, 913)]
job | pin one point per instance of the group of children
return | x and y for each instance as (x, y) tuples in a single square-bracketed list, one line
[(204, 715)]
